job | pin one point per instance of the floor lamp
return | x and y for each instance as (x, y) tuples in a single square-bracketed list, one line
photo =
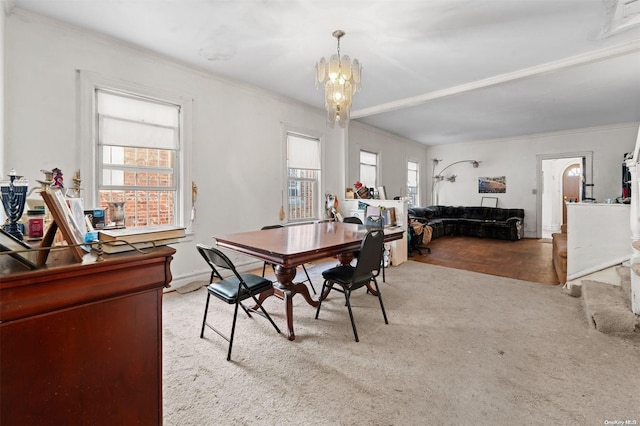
[(439, 177)]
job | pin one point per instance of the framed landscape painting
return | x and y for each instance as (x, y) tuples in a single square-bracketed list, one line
[(492, 185)]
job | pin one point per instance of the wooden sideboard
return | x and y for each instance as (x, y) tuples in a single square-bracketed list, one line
[(81, 343)]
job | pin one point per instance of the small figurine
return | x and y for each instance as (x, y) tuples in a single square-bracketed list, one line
[(75, 191), (58, 180)]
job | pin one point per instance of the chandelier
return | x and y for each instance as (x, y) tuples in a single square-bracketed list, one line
[(341, 79)]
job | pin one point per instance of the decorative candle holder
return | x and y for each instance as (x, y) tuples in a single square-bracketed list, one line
[(14, 197), (116, 214)]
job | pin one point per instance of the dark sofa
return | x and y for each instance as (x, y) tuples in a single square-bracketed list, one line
[(484, 222)]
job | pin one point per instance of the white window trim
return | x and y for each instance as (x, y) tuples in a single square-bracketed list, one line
[(88, 82), (320, 202)]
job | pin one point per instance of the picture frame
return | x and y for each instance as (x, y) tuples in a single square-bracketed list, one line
[(10, 243), (349, 194), (362, 192), (382, 193), (389, 215), (489, 202), (492, 185), (63, 219)]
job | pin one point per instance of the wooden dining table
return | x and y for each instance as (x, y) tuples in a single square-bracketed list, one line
[(290, 246)]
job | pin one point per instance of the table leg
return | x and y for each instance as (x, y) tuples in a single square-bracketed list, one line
[(285, 289)]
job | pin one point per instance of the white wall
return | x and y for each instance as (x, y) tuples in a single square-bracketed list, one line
[(516, 159), (237, 130), (393, 154), (4, 6)]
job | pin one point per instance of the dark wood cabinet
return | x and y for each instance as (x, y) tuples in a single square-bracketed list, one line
[(82, 343)]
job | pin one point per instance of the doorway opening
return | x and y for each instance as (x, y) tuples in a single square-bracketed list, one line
[(562, 179)]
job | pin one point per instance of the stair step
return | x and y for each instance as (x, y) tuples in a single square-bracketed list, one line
[(608, 309)]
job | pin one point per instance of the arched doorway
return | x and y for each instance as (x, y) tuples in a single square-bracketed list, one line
[(550, 192), (571, 185)]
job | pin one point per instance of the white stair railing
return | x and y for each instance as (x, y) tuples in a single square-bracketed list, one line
[(633, 162)]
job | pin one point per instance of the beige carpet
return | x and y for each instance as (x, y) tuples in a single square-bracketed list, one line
[(461, 348)]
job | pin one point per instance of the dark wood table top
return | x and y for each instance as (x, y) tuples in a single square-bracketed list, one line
[(293, 245)]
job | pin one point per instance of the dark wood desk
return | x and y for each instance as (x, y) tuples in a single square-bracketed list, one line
[(291, 246), (82, 343)]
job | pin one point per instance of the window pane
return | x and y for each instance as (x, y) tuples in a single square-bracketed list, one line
[(138, 157), (136, 160), (368, 169), (412, 184), (303, 171), (368, 175), (303, 187), (143, 208)]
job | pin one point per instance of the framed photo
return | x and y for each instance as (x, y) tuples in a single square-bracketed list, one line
[(10, 243), (362, 192), (382, 193), (72, 231), (489, 202)]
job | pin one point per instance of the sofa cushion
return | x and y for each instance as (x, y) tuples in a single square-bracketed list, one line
[(504, 214), (451, 211), (477, 213)]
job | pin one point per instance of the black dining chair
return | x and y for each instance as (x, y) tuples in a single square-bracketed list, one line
[(377, 222), (232, 290), (352, 219), (357, 221), (351, 278), (265, 264)]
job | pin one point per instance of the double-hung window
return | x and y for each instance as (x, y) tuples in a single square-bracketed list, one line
[(303, 177), (368, 169), (413, 187), (138, 149)]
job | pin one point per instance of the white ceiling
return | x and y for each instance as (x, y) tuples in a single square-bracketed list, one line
[(434, 71)]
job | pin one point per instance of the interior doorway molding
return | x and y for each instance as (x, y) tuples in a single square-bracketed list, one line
[(587, 157)]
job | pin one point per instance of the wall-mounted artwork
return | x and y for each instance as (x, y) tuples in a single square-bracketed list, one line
[(492, 185)]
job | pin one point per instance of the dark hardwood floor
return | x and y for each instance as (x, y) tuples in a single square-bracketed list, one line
[(527, 259)]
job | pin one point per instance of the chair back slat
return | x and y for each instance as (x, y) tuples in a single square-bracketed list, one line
[(370, 255), (217, 259), (271, 227), (352, 219)]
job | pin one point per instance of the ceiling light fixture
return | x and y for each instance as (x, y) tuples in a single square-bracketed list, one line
[(341, 79)]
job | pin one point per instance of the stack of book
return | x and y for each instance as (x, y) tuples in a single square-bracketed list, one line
[(127, 239)]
